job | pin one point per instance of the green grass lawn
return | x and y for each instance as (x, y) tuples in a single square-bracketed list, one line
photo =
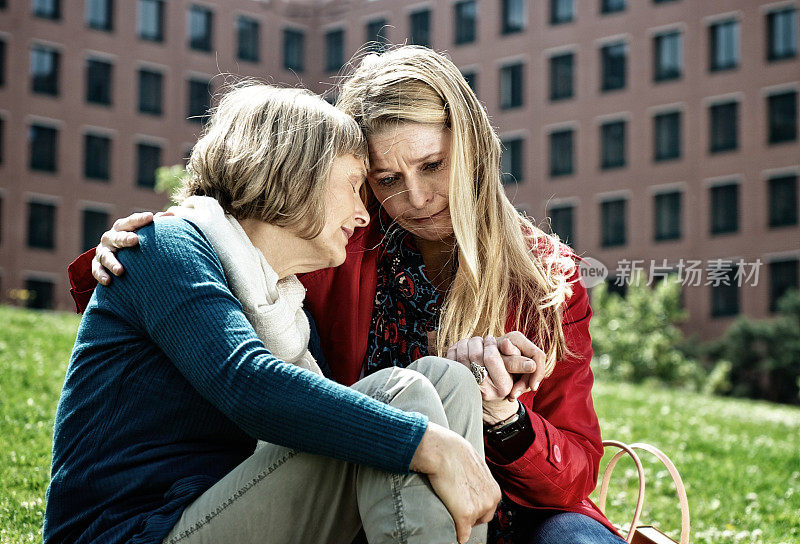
[(740, 460)]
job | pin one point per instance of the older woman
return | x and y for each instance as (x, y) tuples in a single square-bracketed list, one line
[(448, 266), (182, 364)]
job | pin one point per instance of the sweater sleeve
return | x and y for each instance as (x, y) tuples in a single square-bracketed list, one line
[(174, 290), (560, 467)]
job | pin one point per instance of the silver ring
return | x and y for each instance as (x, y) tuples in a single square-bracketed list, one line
[(479, 371)]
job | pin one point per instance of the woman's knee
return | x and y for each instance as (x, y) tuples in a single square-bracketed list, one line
[(449, 378), (437, 368)]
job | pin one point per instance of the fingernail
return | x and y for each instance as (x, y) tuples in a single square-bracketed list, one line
[(536, 386), (130, 238), (527, 366), (117, 269)]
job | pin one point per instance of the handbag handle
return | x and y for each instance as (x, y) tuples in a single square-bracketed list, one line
[(673, 472)]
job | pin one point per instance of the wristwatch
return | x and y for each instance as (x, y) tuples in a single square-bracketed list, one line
[(512, 436)]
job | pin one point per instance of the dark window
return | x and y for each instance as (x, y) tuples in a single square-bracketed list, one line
[(334, 50), (561, 76), (40, 294), (612, 217), (783, 201), (725, 209), (723, 45), (2, 63), (465, 15), (97, 157), (98, 81), (293, 49), (41, 225), (782, 117), (668, 216), (667, 54), (377, 37), (201, 24), (100, 14), (420, 24), (561, 11), (513, 16), (199, 100), (612, 6), (612, 144), (562, 223), (782, 34), (95, 223), (561, 153), (511, 93), (783, 275), (150, 90), (667, 136), (472, 80), (248, 41), (619, 287), (613, 60), (44, 69), (43, 148), (511, 161), (148, 159), (47, 9), (724, 291), (151, 20), (724, 126)]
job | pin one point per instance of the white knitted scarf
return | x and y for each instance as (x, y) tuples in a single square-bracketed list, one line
[(274, 307)]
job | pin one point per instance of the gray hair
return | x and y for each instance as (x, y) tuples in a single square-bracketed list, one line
[(266, 153)]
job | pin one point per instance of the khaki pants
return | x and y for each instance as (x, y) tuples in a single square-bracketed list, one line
[(279, 495)]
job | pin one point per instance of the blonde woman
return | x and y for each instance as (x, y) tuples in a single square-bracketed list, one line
[(202, 348), (447, 266)]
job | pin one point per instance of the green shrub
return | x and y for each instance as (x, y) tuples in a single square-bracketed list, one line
[(637, 339), (763, 355)]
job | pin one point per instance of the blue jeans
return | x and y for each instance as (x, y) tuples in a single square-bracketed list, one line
[(569, 528)]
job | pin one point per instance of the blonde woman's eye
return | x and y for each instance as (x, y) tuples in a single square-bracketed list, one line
[(433, 165), (387, 181)]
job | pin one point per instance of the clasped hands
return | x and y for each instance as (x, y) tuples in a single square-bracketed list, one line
[(514, 365)]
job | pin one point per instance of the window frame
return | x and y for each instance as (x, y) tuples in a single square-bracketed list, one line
[(725, 142), (252, 27), (613, 233), (157, 80), (556, 139), (90, 169), (294, 49), (144, 180), (201, 17), (667, 216), (555, 94), (718, 224), (465, 25), (716, 64), (609, 81), (512, 85)]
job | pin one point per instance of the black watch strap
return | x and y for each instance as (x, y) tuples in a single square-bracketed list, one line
[(512, 437)]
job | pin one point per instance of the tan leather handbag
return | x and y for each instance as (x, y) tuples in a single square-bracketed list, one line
[(645, 534)]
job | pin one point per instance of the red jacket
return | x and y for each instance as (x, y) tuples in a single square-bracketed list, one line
[(560, 468)]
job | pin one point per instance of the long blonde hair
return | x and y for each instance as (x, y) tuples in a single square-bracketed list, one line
[(504, 261)]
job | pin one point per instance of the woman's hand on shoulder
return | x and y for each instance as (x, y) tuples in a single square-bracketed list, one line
[(120, 235), (513, 366)]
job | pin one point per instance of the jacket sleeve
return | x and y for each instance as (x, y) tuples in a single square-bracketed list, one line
[(560, 467), (81, 281)]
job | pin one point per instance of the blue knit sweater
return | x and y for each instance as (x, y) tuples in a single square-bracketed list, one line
[(168, 389)]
